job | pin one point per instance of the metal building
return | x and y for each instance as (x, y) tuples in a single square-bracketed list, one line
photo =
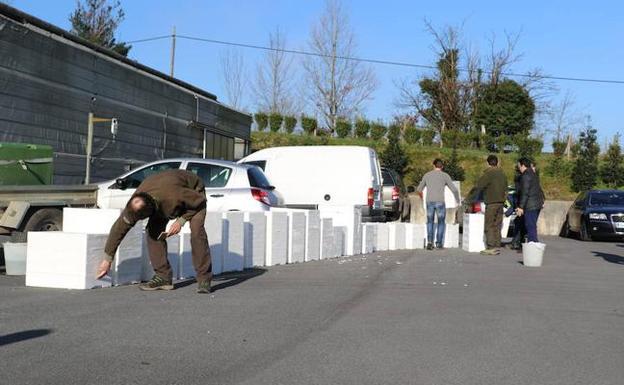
[(50, 80)]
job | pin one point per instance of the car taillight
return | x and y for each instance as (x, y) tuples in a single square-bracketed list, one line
[(371, 197), (261, 196), (476, 207), (395, 193)]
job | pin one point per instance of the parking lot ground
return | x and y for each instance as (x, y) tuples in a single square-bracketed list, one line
[(399, 317)]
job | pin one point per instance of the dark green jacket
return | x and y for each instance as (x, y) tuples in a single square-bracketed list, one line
[(493, 184)]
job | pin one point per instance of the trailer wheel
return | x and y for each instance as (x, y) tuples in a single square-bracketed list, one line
[(45, 220)]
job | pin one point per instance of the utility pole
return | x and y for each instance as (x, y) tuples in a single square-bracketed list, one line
[(173, 41)]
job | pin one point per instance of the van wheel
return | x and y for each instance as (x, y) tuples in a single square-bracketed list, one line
[(565, 230), (45, 220)]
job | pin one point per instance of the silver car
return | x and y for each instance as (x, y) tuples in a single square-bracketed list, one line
[(229, 186), (396, 202)]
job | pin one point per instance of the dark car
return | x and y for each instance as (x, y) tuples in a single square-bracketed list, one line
[(396, 202), (596, 214)]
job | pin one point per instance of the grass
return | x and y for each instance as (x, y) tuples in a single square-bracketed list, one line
[(420, 158)]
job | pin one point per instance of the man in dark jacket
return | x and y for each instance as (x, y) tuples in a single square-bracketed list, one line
[(493, 185), (173, 194), (530, 198)]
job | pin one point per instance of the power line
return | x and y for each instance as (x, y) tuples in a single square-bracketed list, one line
[(372, 61)]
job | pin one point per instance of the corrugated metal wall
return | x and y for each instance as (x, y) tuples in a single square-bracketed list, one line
[(48, 85)]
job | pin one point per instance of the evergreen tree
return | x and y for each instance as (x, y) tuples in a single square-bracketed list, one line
[(362, 128), (612, 170), (97, 22), (453, 168), (394, 156), (343, 128), (585, 172)]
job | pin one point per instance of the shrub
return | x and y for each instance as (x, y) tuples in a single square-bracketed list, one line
[(362, 128), (309, 124), (262, 120), (559, 147), (453, 168), (343, 128), (489, 143), (275, 121), (427, 136), (411, 134), (289, 123), (503, 143), (451, 138), (527, 146), (377, 130)]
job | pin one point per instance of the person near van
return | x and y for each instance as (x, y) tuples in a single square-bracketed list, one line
[(493, 185), (519, 229), (172, 194), (530, 198), (436, 180)]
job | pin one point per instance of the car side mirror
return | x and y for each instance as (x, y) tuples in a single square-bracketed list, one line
[(121, 183), (411, 189)]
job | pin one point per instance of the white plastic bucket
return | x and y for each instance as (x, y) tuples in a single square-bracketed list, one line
[(15, 258), (533, 253)]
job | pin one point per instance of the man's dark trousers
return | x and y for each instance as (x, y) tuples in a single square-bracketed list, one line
[(493, 223), (200, 249), (530, 224)]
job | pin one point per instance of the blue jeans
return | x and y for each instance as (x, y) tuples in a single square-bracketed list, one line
[(530, 224), (439, 209)]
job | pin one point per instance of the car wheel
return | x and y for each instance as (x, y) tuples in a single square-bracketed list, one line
[(565, 230), (584, 234), (45, 220)]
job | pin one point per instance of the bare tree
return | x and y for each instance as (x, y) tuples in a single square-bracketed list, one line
[(233, 76), (565, 117), (338, 86), (273, 86), (501, 59)]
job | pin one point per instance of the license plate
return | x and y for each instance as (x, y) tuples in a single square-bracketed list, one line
[(619, 225)]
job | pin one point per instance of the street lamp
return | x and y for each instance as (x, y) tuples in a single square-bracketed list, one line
[(93, 119)]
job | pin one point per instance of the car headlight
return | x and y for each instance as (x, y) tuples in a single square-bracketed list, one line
[(598, 216)]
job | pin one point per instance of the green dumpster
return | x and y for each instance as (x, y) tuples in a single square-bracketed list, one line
[(25, 164)]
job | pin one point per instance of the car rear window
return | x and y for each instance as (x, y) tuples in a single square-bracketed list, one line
[(607, 199), (257, 178), (259, 163), (387, 178)]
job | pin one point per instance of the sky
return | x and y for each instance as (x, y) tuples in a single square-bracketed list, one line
[(564, 38)]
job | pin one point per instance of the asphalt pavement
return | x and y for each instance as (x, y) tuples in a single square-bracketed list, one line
[(399, 317)]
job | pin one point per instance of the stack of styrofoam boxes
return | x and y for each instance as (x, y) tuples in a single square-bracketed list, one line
[(276, 238), (415, 236), (383, 237), (214, 230), (349, 219), (234, 250), (313, 235), (340, 241), (396, 236), (127, 264), (472, 237), (327, 238), (451, 235), (255, 239), (369, 237), (296, 236)]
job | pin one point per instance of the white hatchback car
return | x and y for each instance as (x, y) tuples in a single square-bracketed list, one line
[(229, 186)]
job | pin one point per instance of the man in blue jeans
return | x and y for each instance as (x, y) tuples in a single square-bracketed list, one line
[(436, 181), (530, 198)]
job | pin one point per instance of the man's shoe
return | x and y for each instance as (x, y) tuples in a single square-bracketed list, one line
[(490, 252), (429, 246), (157, 283), (515, 246), (439, 247), (203, 287)]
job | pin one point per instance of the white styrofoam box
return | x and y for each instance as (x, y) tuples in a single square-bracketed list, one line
[(214, 230), (89, 221), (234, 234), (277, 238), (296, 236), (349, 217), (327, 238), (505, 226), (173, 256), (128, 263), (313, 236), (255, 239), (369, 237), (396, 236), (472, 237), (340, 241), (383, 237), (65, 260), (449, 197), (415, 235), (185, 260), (451, 236)]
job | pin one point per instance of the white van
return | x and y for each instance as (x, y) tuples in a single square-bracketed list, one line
[(311, 176)]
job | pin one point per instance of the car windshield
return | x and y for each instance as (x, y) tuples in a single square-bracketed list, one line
[(612, 198)]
